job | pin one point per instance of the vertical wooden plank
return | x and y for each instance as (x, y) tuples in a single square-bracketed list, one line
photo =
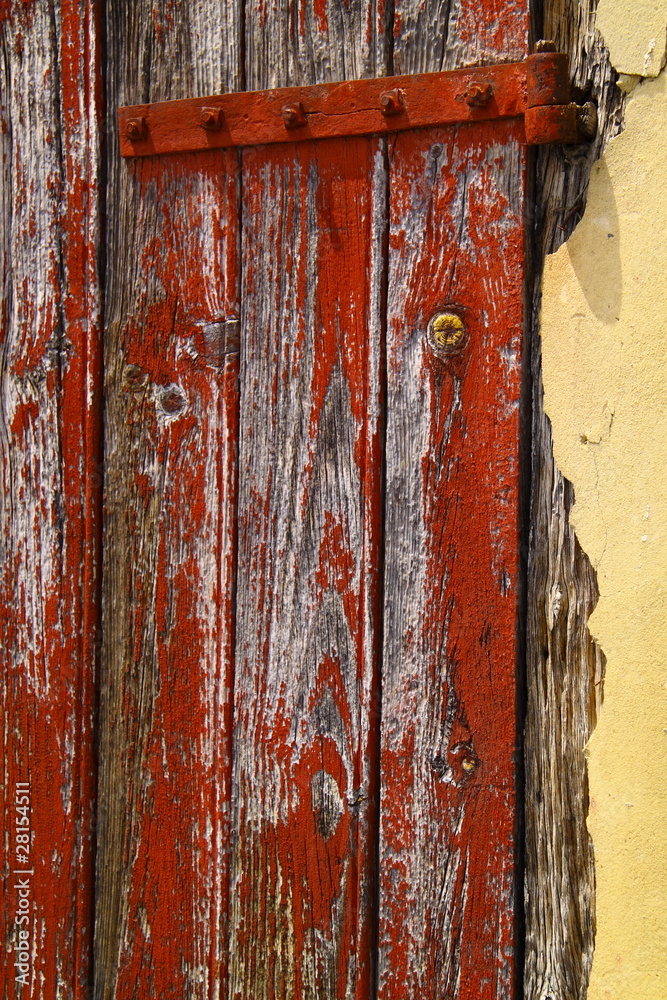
[(171, 383), (50, 399), (305, 748), (452, 567), (452, 572)]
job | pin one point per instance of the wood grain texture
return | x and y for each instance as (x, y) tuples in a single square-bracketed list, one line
[(305, 747), (315, 41), (452, 583), (50, 496), (434, 35), (172, 408), (305, 754), (452, 570), (303, 824), (564, 667), (173, 302)]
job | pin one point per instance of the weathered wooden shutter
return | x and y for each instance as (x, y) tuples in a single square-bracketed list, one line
[(309, 709), (311, 580)]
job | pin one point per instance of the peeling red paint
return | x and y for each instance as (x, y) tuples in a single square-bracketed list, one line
[(175, 409), (448, 772), (320, 12), (242, 760), (51, 455), (304, 717)]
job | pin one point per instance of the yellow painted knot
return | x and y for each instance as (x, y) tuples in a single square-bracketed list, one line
[(447, 333)]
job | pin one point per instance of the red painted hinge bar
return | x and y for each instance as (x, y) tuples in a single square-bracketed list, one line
[(537, 89)]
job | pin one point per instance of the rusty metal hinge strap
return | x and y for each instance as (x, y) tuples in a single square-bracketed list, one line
[(536, 90)]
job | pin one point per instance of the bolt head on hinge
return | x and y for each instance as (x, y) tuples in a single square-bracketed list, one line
[(478, 95), (136, 129), (211, 119), (294, 115), (391, 102)]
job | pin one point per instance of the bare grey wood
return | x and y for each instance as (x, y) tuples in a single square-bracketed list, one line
[(171, 317), (307, 606), (315, 41), (564, 667)]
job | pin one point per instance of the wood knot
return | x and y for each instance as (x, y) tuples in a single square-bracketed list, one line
[(327, 802), (134, 378), (172, 400)]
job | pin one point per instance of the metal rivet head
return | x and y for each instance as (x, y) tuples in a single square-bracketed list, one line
[(211, 119), (391, 102), (293, 115), (447, 333), (545, 45), (477, 95), (136, 129)]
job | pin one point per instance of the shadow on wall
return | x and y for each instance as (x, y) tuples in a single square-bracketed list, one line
[(594, 249)]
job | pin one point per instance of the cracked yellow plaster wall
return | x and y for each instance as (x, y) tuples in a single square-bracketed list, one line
[(604, 330), (635, 32)]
